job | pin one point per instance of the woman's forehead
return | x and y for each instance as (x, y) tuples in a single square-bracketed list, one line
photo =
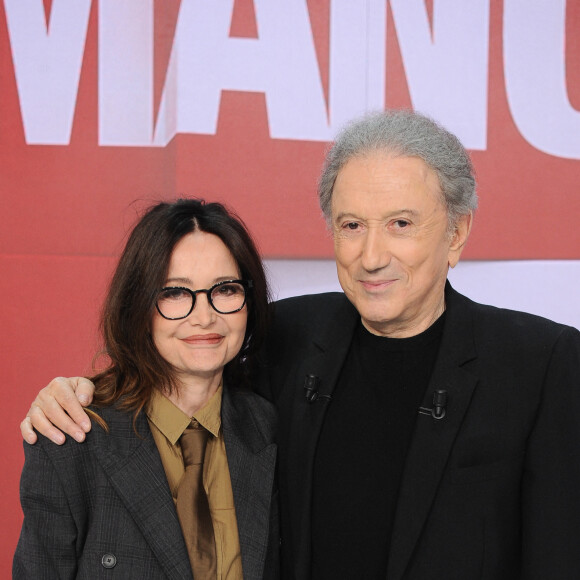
[(201, 256)]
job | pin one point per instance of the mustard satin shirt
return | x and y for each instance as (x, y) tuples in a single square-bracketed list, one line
[(167, 423)]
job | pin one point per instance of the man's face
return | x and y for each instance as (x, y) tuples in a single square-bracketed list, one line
[(391, 242)]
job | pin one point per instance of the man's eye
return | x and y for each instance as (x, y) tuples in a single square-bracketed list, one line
[(401, 223), (352, 225)]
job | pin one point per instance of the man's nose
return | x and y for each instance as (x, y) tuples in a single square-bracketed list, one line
[(375, 252)]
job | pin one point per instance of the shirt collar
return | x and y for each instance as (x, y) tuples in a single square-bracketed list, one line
[(210, 415), (172, 421)]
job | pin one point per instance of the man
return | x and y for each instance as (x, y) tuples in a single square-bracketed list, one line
[(422, 436)]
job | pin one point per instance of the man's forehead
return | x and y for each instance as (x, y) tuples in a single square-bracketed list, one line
[(387, 183), (384, 167)]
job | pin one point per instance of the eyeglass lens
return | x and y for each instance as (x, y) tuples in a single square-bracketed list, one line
[(225, 297)]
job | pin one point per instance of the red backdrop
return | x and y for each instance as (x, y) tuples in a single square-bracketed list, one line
[(66, 208)]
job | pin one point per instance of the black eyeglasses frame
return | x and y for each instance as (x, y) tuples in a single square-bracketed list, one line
[(247, 284)]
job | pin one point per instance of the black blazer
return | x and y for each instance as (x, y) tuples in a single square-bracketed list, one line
[(492, 491), (103, 509)]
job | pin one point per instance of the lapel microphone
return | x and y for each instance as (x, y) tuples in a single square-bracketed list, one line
[(439, 405), (311, 386)]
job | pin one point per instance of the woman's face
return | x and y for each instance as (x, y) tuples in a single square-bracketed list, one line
[(200, 345)]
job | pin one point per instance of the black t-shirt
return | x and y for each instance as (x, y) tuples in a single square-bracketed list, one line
[(362, 449)]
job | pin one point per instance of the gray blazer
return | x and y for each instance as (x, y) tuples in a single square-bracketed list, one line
[(103, 509)]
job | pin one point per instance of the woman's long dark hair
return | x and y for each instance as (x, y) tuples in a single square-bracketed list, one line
[(136, 367)]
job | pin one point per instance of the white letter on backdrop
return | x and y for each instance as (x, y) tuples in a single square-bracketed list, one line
[(535, 75), (47, 64), (357, 58), (447, 70), (126, 72), (281, 63)]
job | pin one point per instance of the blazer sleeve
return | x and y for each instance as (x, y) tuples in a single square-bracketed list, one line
[(551, 480), (47, 544)]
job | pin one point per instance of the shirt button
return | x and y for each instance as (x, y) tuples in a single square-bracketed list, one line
[(108, 561)]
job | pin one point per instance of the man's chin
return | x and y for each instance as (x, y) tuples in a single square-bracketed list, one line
[(376, 322)]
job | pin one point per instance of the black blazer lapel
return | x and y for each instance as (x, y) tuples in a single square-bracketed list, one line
[(433, 439), (135, 471), (324, 359), (248, 423)]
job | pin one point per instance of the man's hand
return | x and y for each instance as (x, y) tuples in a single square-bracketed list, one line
[(60, 404)]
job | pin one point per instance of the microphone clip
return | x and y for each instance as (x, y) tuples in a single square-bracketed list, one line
[(311, 386), (439, 405)]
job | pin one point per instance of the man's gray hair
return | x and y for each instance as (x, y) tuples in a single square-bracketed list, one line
[(408, 134)]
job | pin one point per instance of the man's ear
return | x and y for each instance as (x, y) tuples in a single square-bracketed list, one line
[(459, 238)]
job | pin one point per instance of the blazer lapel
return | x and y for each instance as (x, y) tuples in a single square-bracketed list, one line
[(136, 473), (433, 439), (252, 463), (323, 359)]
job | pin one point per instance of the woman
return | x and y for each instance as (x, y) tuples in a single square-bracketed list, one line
[(183, 318)]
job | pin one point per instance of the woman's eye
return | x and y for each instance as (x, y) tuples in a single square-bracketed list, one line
[(174, 294), (226, 290), (233, 289)]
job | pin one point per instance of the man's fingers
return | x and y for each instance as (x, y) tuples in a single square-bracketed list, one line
[(64, 393), (43, 425), (27, 431), (56, 410), (83, 389)]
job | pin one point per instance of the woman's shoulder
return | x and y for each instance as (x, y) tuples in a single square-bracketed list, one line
[(244, 403), (109, 425)]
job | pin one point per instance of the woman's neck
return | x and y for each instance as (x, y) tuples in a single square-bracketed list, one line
[(193, 393)]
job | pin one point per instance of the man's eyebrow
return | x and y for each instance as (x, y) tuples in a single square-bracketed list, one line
[(411, 212), (403, 211)]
